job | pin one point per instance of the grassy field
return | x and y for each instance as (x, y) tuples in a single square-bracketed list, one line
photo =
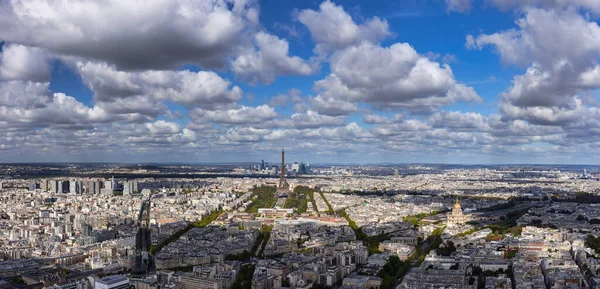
[(508, 225), (415, 219), (300, 198), (262, 197)]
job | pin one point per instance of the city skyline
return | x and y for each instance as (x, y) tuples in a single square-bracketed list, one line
[(364, 227), (433, 82)]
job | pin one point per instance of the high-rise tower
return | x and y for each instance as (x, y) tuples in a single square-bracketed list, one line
[(283, 185), (144, 262)]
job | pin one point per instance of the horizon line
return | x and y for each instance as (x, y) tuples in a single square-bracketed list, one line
[(311, 163)]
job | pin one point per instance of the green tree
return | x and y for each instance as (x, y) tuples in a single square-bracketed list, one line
[(262, 197)]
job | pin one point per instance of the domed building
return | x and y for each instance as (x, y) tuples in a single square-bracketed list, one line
[(457, 217)]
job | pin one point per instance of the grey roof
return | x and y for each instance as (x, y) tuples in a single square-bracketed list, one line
[(109, 280)]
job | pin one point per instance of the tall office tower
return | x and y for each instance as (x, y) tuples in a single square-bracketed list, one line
[(53, 186), (304, 168), (45, 185), (262, 165), (127, 188), (283, 187), (97, 186), (65, 187), (90, 187), (144, 263), (87, 230), (115, 184), (130, 187), (108, 185), (75, 186), (32, 186), (59, 187), (296, 167)]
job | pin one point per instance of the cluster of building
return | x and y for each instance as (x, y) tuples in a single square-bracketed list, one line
[(76, 186), (83, 233), (538, 256), (492, 183), (200, 246), (36, 224), (326, 266), (293, 169)]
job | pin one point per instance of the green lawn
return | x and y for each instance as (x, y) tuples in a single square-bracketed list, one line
[(262, 197), (299, 199), (415, 219), (509, 224)]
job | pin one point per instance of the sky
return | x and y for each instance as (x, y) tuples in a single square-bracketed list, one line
[(413, 81)]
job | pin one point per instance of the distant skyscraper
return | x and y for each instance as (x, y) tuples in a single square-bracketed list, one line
[(108, 185), (65, 187), (87, 230), (97, 187), (45, 185), (130, 188), (94, 187), (115, 183), (54, 186), (75, 186), (262, 165), (144, 263), (90, 187), (304, 169), (396, 172), (126, 189), (295, 167), (32, 186)]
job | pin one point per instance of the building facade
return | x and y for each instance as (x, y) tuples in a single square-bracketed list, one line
[(457, 217)]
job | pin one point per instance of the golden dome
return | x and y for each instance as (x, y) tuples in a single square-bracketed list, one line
[(456, 205)]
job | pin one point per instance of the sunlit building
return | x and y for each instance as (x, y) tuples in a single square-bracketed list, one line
[(457, 217)]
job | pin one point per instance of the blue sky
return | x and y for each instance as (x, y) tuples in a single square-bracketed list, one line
[(426, 25), (435, 81)]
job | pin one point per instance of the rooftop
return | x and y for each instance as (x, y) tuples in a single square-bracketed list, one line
[(109, 280)]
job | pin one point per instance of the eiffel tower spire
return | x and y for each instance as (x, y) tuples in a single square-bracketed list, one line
[(283, 185)]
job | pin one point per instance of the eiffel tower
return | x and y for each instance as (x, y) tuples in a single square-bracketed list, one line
[(283, 187)]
